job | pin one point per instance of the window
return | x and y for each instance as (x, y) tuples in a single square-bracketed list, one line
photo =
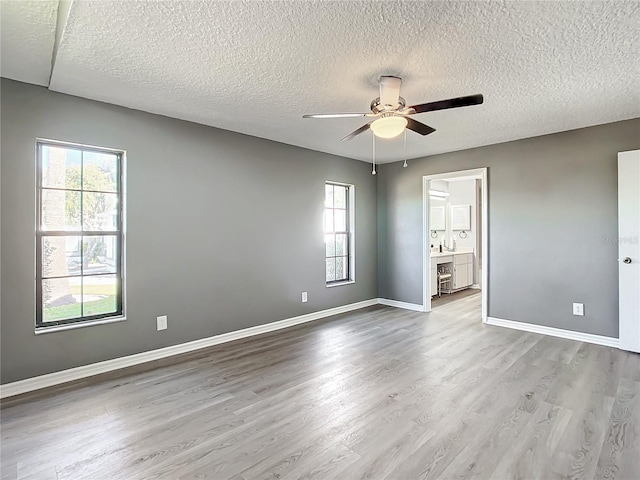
[(79, 236), (338, 233)]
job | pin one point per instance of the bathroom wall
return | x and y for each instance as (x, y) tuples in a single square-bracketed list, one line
[(440, 235), (463, 192)]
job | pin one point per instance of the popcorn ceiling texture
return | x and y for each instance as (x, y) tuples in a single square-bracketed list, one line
[(257, 67), (27, 35)]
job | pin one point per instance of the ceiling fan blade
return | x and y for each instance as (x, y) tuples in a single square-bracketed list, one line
[(450, 103), (363, 128), (335, 115), (419, 127), (390, 91)]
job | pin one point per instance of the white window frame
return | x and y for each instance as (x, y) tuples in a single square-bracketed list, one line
[(351, 241), (42, 326)]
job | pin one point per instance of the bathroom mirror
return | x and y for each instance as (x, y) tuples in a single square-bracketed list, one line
[(461, 217), (437, 219)]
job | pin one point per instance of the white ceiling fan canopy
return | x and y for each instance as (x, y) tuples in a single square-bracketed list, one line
[(390, 92)]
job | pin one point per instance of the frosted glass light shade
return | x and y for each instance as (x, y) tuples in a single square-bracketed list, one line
[(388, 127)]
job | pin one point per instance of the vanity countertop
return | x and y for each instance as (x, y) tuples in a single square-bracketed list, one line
[(447, 254)]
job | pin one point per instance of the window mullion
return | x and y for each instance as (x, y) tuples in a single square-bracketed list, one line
[(78, 233), (60, 189), (82, 234)]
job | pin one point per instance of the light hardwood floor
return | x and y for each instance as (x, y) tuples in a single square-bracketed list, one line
[(446, 298), (380, 393)]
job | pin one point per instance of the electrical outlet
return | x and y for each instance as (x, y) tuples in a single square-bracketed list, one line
[(578, 309), (304, 297), (162, 322)]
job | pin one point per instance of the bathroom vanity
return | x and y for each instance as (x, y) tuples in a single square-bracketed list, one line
[(459, 263)]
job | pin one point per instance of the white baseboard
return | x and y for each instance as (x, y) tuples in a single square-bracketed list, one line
[(405, 305), (555, 332), (77, 373)]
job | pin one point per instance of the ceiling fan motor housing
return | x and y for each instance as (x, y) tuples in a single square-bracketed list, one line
[(377, 107)]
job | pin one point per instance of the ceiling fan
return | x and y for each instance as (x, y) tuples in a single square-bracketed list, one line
[(392, 115)]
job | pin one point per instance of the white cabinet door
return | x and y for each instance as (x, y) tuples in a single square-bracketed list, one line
[(463, 270), (460, 277)]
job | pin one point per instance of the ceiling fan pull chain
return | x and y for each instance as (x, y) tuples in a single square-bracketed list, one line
[(373, 171), (405, 149)]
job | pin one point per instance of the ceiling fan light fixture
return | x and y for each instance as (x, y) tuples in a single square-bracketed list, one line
[(389, 127)]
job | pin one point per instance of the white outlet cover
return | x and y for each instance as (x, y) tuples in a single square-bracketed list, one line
[(162, 322), (578, 309), (304, 297)]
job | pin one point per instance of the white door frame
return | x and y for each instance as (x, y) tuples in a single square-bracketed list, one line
[(628, 248), (481, 174)]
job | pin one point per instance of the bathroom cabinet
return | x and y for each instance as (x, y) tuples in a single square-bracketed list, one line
[(460, 264), (462, 270)]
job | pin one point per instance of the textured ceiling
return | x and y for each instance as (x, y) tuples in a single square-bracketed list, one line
[(27, 36), (257, 67)]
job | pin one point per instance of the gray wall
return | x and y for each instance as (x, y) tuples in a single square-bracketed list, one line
[(224, 231), (552, 225)]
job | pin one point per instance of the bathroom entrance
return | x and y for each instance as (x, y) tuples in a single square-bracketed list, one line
[(455, 211)]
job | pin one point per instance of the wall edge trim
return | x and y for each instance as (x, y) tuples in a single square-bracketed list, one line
[(395, 303), (84, 371), (76, 373), (555, 332)]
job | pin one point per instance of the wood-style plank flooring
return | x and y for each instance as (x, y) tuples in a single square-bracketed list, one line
[(380, 393), (446, 298)]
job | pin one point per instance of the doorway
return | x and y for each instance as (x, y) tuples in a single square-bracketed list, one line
[(455, 236)]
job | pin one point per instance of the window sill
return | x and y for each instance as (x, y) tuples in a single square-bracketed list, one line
[(339, 284), (73, 326)]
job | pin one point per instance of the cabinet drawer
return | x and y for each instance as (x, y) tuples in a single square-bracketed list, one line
[(462, 258)]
